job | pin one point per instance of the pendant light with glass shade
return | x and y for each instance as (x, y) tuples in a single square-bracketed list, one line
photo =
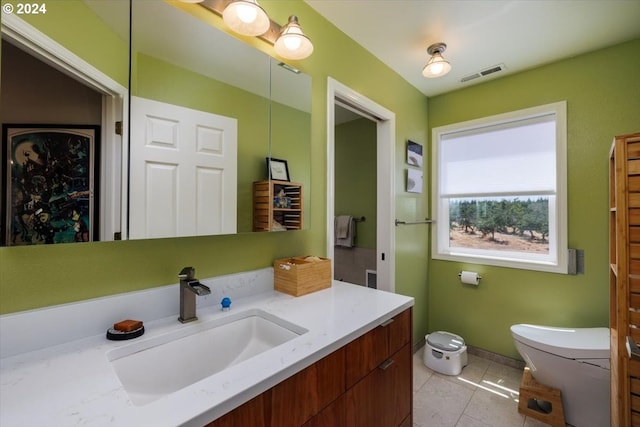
[(246, 17), (437, 65), (292, 43)]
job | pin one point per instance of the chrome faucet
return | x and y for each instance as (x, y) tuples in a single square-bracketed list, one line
[(189, 288)]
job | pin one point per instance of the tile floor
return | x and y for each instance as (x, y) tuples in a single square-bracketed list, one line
[(485, 394)]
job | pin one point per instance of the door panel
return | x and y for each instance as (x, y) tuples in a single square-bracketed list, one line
[(183, 175)]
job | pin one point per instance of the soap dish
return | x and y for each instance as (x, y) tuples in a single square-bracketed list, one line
[(116, 335)]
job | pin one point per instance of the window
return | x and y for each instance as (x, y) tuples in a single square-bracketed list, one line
[(499, 188)]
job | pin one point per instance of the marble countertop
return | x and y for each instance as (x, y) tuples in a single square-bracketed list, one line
[(74, 383)]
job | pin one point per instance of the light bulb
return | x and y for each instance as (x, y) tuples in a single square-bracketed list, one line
[(247, 14), (436, 68), (292, 43)]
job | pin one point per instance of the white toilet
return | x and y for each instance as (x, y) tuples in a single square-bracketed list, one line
[(575, 361)]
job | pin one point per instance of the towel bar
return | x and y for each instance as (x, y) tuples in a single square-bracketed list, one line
[(426, 221)]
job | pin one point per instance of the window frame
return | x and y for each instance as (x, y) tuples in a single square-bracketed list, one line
[(557, 261)]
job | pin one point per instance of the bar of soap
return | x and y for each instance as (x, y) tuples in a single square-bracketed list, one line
[(127, 325)]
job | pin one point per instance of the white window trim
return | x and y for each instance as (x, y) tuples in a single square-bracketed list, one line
[(561, 231)]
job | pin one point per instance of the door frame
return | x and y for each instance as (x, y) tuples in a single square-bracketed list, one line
[(115, 100), (385, 137)]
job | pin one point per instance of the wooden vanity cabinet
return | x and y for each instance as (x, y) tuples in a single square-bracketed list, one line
[(379, 378), (365, 383)]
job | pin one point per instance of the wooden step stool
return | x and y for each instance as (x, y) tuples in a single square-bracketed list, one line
[(529, 390)]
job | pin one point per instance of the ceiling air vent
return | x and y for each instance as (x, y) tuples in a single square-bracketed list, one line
[(483, 73), (492, 70), (470, 77)]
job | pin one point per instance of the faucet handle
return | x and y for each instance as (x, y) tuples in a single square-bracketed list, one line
[(187, 273)]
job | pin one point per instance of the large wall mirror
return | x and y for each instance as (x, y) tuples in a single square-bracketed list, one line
[(61, 96), (182, 69)]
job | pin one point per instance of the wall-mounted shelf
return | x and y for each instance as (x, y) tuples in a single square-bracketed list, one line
[(273, 214)]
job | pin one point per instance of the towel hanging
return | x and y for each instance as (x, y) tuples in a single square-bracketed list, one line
[(344, 230)]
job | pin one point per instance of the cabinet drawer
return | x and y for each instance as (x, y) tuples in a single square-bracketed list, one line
[(400, 331), (367, 352), (382, 398)]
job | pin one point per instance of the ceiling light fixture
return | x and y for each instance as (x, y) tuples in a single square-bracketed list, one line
[(437, 65), (246, 17), (292, 43)]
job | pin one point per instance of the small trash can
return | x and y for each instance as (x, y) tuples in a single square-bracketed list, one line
[(445, 353)]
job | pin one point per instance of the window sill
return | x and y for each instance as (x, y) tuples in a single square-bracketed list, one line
[(543, 266)]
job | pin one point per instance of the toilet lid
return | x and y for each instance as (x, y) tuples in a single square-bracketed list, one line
[(572, 343), (445, 341)]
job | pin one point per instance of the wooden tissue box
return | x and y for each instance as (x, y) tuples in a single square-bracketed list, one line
[(296, 276)]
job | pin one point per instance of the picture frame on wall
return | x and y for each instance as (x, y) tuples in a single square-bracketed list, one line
[(414, 153), (278, 169), (414, 181), (50, 184)]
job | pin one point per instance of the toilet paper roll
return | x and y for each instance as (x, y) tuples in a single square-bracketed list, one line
[(470, 278)]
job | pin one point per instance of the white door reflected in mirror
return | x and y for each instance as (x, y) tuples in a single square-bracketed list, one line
[(183, 175)]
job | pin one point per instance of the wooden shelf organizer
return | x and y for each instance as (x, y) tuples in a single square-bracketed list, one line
[(267, 216)]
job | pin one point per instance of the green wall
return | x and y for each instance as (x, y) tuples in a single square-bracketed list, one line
[(34, 277), (603, 100), (355, 176), (72, 24)]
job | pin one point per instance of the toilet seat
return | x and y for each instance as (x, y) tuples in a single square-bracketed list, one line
[(571, 343)]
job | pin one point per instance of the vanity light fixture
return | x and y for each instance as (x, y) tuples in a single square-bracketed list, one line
[(289, 41), (246, 17), (437, 65), (292, 43)]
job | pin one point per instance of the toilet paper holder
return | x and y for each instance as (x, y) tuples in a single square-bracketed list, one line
[(469, 278), (460, 275)]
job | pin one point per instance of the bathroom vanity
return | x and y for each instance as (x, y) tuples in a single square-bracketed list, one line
[(349, 365), (364, 383)]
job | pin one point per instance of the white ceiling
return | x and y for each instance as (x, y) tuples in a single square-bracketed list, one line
[(520, 34)]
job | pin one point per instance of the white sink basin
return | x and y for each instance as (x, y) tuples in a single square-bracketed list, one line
[(152, 368)]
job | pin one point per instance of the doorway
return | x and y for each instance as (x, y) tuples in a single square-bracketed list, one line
[(384, 121), (114, 100)]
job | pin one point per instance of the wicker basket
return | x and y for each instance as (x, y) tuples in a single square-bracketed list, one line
[(296, 276)]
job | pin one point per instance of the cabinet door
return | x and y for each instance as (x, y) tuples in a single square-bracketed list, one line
[(297, 399), (249, 414), (383, 398)]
